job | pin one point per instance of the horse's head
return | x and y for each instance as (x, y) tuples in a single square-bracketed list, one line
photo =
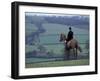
[(62, 37)]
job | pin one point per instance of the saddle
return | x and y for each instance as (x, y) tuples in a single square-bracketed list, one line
[(67, 46)]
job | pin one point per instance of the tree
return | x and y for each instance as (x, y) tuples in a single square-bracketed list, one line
[(41, 48)]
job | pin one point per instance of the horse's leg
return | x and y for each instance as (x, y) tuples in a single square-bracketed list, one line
[(65, 54), (76, 53), (68, 54), (77, 47)]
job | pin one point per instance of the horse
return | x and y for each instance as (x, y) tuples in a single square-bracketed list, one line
[(72, 44)]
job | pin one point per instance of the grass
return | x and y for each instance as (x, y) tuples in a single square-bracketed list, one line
[(58, 63)]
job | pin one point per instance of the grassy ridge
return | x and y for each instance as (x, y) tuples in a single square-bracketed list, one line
[(59, 63)]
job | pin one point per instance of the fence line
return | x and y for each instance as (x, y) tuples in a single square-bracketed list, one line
[(58, 43), (59, 34), (61, 42)]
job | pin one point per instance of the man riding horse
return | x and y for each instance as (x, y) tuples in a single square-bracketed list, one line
[(70, 44), (69, 37)]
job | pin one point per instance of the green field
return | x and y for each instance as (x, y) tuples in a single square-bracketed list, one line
[(58, 63), (42, 45)]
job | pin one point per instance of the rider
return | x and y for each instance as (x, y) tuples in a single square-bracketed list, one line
[(70, 34)]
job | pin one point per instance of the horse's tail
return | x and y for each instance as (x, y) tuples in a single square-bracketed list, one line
[(78, 47)]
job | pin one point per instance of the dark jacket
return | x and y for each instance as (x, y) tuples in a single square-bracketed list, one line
[(70, 36)]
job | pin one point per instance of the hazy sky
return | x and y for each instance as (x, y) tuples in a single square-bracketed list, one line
[(55, 14)]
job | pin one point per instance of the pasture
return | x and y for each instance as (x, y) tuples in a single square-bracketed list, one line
[(58, 63), (42, 35)]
